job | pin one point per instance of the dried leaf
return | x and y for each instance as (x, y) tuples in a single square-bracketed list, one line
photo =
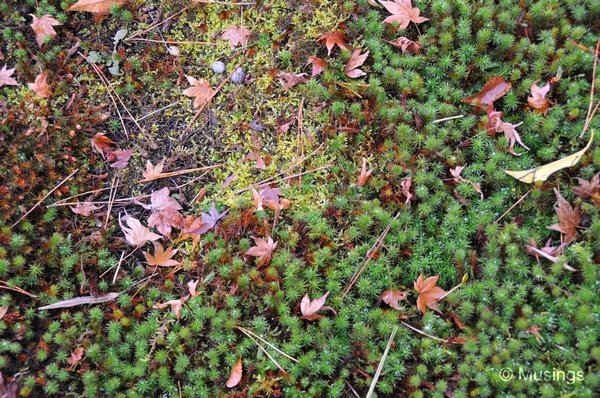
[(406, 45), (332, 39), (102, 143), (493, 89), (317, 65), (161, 257), (538, 99), (3, 311), (429, 293), (41, 86), (75, 357), (364, 174), (310, 308), (403, 12), (236, 36), (80, 301), (153, 172), (5, 77), (192, 285), (43, 27), (356, 60), (95, 6), (137, 234), (200, 90), (589, 189), (263, 249), (568, 218), (84, 208), (392, 297), (175, 305), (405, 184), (236, 374), (542, 173), (289, 80), (204, 223), (122, 157)]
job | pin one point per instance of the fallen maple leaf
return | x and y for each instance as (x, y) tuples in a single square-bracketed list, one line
[(122, 157), (200, 90), (161, 257), (317, 65), (403, 12), (84, 208), (43, 27), (75, 357), (263, 249), (538, 99), (511, 135), (589, 189), (392, 297), (204, 223), (406, 45), (102, 143), (5, 77), (429, 293), (492, 90), (289, 80), (137, 234), (405, 184), (41, 86), (192, 285), (310, 308), (160, 200), (236, 36), (175, 305), (568, 218), (236, 374), (332, 39), (364, 174), (153, 172), (352, 67), (95, 6)]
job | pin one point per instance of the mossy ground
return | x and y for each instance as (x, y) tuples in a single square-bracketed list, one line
[(514, 312)]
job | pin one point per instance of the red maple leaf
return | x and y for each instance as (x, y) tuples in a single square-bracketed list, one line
[(568, 218), (403, 12), (429, 293), (263, 249), (332, 39)]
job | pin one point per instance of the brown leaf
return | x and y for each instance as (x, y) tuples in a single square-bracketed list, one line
[(493, 89), (332, 39), (568, 218), (121, 158), (310, 308), (5, 77), (41, 86), (352, 67), (161, 257), (405, 184), (538, 100), (317, 65), (80, 301), (75, 357), (402, 12), (236, 36), (289, 80), (43, 27), (3, 311), (137, 234), (236, 374), (102, 143), (153, 172), (192, 285), (263, 249), (84, 208), (429, 293), (364, 174), (95, 6), (589, 189), (175, 305), (200, 90), (406, 45), (391, 297)]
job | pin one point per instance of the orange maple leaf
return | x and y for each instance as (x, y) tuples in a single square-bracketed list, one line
[(317, 65), (392, 297), (364, 174), (333, 38), (263, 250), (236, 36), (161, 257), (429, 293), (41, 86), (568, 218), (403, 12), (43, 27), (200, 90)]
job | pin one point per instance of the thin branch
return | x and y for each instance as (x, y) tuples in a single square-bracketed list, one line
[(266, 352), (4, 285), (515, 204), (244, 330), (447, 118), (381, 362), (423, 333)]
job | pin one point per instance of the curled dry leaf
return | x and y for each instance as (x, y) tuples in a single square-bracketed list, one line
[(43, 27), (392, 297), (493, 89), (96, 6), (137, 234), (236, 374), (538, 100), (161, 257), (200, 90), (75, 357), (364, 174), (406, 45), (84, 208), (429, 293), (41, 86), (310, 308), (289, 80), (80, 301), (102, 144), (153, 172), (332, 39), (5, 77), (263, 250), (568, 218), (236, 36), (356, 60), (403, 12), (317, 65)]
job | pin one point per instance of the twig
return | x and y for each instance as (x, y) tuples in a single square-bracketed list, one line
[(158, 110), (41, 200), (513, 206), (4, 285), (353, 390), (173, 41), (180, 172), (584, 47), (447, 118), (423, 333), (589, 114), (118, 267), (156, 25), (111, 199), (246, 331), (121, 260), (370, 253), (266, 353), (381, 362)]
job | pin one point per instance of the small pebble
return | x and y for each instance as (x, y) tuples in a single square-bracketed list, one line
[(218, 67), (238, 75), (174, 51)]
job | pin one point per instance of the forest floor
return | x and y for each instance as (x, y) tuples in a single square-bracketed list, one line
[(299, 198)]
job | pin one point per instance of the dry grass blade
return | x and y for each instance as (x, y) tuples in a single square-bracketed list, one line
[(246, 331), (3, 285), (265, 351), (381, 362), (590, 114), (423, 333), (80, 301)]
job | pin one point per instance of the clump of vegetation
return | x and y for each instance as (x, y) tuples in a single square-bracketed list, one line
[(327, 216)]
